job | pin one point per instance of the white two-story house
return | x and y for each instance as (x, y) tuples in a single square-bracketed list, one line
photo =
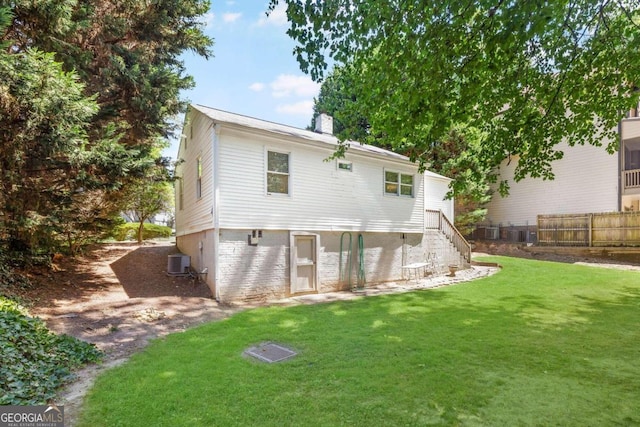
[(587, 180)]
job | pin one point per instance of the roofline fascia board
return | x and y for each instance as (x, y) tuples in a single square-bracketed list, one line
[(433, 175), (321, 145), (218, 116)]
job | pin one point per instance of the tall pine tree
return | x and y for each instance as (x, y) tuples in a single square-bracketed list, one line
[(125, 55)]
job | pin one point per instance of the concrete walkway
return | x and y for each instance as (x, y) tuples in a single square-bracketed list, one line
[(429, 282)]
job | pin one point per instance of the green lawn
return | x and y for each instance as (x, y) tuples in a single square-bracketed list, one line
[(537, 344)]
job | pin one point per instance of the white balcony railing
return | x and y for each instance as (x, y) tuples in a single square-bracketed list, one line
[(632, 178)]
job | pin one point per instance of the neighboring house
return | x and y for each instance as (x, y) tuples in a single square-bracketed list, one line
[(587, 180), (161, 218), (259, 206)]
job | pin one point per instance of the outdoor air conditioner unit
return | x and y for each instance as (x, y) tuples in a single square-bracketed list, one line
[(491, 233), (178, 263)]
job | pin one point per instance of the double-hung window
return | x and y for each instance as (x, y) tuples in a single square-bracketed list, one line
[(277, 172), (398, 184)]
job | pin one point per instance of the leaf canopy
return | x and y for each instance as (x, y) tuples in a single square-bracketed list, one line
[(527, 73)]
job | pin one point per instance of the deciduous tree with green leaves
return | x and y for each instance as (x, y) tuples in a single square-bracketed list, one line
[(456, 156), (147, 197), (528, 74)]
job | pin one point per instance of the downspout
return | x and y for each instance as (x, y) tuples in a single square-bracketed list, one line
[(620, 165), (216, 210)]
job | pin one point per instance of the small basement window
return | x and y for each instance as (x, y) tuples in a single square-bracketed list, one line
[(345, 165), (398, 184)]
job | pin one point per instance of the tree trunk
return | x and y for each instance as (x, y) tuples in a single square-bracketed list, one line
[(140, 230)]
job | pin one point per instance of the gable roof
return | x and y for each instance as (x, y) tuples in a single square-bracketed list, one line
[(225, 117)]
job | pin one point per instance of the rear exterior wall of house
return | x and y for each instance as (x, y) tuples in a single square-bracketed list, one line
[(263, 272)]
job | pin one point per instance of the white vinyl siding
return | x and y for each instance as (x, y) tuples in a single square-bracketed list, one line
[(322, 197), (436, 188), (586, 180), (196, 214), (631, 128)]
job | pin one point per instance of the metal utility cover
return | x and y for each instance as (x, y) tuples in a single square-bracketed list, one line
[(270, 353)]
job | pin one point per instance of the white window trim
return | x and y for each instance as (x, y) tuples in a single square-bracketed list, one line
[(399, 192), (266, 172)]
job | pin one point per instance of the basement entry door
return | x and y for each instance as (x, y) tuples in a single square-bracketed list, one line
[(304, 263)]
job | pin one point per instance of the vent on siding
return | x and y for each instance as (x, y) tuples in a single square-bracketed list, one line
[(178, 263)]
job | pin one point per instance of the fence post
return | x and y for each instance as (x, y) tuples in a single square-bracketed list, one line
[(590, 230)]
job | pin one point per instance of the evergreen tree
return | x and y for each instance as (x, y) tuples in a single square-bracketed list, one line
[(109, 88), (44, 116)]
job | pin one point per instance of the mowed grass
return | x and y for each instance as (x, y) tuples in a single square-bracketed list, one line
[(539, 344)]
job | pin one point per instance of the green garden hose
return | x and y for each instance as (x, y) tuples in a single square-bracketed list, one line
[(361, 273)]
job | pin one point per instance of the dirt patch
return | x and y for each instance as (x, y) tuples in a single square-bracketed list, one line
[(119, 297)]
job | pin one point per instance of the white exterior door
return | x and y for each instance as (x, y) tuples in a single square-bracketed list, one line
[(304, 263)]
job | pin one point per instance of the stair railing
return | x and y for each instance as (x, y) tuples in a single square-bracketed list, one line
[(437, 220)]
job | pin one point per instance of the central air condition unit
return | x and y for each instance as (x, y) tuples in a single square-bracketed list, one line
[(178, 263), (491, 233)]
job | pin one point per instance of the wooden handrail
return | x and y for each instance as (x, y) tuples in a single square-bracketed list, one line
[(437, 220)]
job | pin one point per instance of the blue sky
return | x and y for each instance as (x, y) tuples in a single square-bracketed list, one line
[(253, 70)]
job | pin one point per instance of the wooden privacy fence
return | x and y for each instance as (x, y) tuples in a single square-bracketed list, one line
[(594, 229)]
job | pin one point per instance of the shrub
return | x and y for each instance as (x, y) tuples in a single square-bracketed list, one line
[(129, 231), (35, 361), (11, 282)]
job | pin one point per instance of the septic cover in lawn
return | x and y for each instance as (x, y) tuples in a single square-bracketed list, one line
[(270, 352)]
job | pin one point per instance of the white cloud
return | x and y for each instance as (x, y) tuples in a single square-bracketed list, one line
[(231, 17), (257, 87), (302, 108), (207, 19), (277, 17), (288, 84)]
